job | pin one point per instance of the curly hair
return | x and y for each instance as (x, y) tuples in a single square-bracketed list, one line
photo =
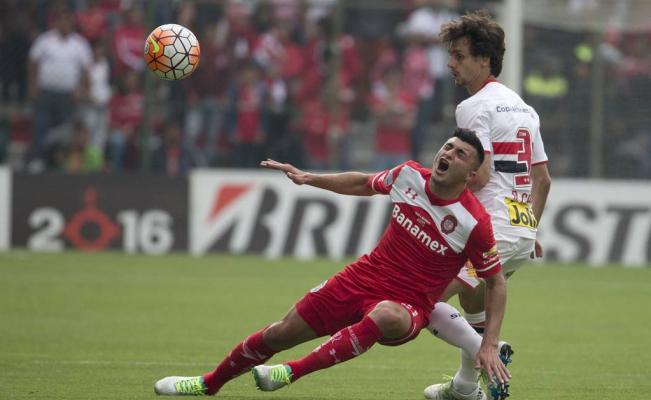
[(486, 37)]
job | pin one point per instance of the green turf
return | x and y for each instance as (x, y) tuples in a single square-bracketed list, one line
[(107, 326)]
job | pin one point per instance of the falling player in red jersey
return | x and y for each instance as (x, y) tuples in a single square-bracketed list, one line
[(385, 296), (513, 182)]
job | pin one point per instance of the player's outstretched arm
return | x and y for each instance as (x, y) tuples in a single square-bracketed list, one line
[(352, 183), (495, 301)]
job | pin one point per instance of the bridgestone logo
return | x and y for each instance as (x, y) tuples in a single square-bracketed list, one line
[(415, 231)]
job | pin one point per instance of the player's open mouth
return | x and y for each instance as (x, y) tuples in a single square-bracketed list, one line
[(443, 165)]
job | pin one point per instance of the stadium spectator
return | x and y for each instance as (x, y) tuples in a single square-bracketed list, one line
[(545, 89), (58, 79), (289, 16), (78, 155), (417, 79), (245, 123), (125, 118), (92, 21), (442, 11), (128, 41), (236, 34), (172, 157), (634, 76), (386, 57), (281, 141), (394, 109), (16, 30), (262, 18), (323, 127), (380, 298), (318, 53), (205, 97), (277, 50), (95, 109), (578, 96)]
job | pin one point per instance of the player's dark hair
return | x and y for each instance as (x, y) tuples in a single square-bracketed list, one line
[(486, 37), (468, 136)]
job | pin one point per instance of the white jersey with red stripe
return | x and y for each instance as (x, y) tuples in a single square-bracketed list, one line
[(509, 129), (428, 239)]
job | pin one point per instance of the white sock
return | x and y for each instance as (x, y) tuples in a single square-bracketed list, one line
[(447, 324), (466, 379), (478, 318)]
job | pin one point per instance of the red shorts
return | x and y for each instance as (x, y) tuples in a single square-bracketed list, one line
[(338, 303)]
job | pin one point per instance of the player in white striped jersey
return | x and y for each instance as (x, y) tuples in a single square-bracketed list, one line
[(512, 184)]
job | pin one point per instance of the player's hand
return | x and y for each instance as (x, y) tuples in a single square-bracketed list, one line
[(297, 176), (537, 251), (488, 359)]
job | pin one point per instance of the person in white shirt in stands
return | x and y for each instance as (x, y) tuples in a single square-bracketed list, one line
[(57, 77), (512, 184)]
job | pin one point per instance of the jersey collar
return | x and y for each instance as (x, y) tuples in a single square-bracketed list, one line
[(437, 201), (486, 82)]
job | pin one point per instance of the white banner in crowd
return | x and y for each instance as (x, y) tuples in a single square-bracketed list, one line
[(264, 213), (5, 207)]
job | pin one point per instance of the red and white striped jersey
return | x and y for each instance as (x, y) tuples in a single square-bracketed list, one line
[(509, 129), (428, 239)]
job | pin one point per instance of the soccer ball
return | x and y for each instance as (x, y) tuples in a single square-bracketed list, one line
[(172, 52)]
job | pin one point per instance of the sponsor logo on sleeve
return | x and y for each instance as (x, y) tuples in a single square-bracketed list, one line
[(490, 256), (470, 269)]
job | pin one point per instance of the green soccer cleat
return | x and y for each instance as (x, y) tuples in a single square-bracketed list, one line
[(273, 377), (445, 391), (180, 386)]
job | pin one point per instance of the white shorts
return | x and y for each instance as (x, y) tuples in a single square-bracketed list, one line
[(512, 256)]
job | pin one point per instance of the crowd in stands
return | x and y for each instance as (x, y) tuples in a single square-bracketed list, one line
[(569, 87), (283, 79)]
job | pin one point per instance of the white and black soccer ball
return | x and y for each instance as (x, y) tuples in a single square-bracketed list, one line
[(172, 52)]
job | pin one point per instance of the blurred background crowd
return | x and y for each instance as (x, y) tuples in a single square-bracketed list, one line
[(323, 84)]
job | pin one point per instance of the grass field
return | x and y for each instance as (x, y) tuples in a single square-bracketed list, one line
[(107, 326)]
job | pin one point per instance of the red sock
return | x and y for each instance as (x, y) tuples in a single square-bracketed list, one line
[(246, 355), (342, 346)]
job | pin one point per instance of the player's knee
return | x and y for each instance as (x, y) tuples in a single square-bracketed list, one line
[(280, 335), (274, 335), (392, 319)]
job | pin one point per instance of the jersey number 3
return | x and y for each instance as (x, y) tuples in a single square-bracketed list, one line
[(520, 167)]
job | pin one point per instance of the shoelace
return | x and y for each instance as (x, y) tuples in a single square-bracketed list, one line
[(505, 358), (497, 391), (190, 386), (280, 374), (448, 389)]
